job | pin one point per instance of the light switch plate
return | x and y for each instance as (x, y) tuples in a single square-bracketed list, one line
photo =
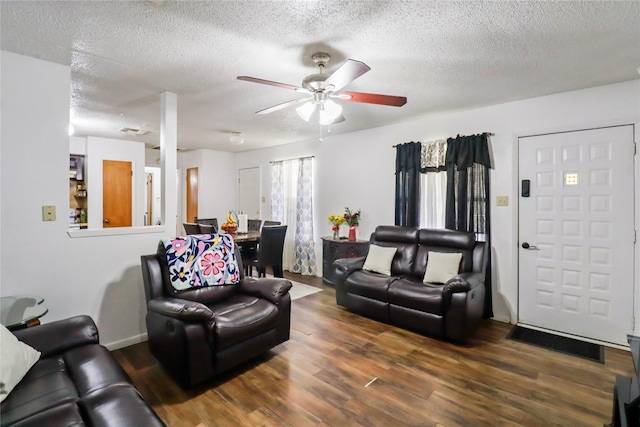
[(502, 200), (49, 213)]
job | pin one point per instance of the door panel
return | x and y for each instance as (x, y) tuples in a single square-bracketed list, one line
[(576, 257), (116, 194), (249, 192), (192, 194)]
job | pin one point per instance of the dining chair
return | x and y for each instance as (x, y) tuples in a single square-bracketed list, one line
[(191, 228), (270, 223), (254, 224), (269, 252), (207, 228), (208, 221)]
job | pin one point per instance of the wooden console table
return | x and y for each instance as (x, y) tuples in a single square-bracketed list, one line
[(626, 393), (333, 249)]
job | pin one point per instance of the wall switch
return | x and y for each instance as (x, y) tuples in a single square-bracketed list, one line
[(264, 199), (49, 213), (502, 201)]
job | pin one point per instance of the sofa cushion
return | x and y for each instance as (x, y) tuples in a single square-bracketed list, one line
[(444, 241), (368, 284), (411, 293), (46, 386), (379, 259), (404, 239), (442, 266), (16, 358), (242, 317)]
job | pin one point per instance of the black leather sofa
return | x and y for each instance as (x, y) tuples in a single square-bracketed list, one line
[(199, 333), (449, 310), (76, 381)]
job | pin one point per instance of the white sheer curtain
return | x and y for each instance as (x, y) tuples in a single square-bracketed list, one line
[(433, 194), (292, 204), (433, 184)]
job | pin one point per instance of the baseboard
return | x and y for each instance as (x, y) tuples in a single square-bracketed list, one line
[(126, 342)]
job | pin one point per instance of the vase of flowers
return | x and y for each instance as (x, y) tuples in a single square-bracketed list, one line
[(353, 219), (336, 220)]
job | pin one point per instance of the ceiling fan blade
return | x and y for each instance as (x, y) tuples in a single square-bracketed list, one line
[(373, 98), (271, 83), (283, 105), (338, 119), (348, 72)]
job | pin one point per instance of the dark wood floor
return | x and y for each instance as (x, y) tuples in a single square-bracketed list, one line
[(341, 369)]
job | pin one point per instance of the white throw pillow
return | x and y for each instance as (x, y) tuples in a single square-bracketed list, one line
[(379, 259), (16, 358), (442, 266)]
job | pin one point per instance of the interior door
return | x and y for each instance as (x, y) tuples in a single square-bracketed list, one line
[(149, 195), (576, 231), (249, 192), (192, 194), (116, 193)]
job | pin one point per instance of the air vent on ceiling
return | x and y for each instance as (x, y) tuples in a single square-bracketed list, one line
[(134, 131), (157, 147)]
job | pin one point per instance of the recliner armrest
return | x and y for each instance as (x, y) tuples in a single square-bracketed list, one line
[(463, 282), (271, 289), (180, 309), (349, 265), (60, 335)]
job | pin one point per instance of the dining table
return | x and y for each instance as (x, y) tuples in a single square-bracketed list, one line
[(251, 237)]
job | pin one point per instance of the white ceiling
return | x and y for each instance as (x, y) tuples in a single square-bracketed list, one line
[(441, 55)]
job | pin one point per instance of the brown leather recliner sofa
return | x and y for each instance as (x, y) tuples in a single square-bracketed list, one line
[(449, 310), (199, 333), (75, 382)]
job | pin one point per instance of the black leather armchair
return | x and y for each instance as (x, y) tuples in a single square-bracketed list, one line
[(197, 334)]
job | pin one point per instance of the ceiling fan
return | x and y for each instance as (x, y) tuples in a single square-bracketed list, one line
[(323, 89)]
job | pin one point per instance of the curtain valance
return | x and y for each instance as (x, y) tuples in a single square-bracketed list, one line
[(433, 156), (464, 151)]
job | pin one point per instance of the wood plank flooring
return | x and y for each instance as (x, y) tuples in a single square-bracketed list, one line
[(341, 369)]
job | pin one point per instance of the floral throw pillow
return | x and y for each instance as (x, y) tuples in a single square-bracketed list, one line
[(201, 260)]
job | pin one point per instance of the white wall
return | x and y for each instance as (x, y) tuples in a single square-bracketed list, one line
[(357, 169), (98, 276), (100, 149)]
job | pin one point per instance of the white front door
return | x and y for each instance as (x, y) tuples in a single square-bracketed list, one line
[(576, 233)]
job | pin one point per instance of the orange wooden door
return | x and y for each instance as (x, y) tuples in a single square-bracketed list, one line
[(149, 220), (116, 193), (192, 194)]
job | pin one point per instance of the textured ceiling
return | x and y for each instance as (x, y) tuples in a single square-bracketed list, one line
[(442, 56)]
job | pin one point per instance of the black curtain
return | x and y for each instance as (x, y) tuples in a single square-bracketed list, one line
[(467, 206), (408, 184)]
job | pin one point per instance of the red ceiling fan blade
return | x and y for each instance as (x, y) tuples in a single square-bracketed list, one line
[(283, 105), (373, 98), (348, 72), (271, 83)]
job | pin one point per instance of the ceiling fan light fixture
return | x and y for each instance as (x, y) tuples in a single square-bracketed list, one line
[(306, 110), (329, 111), (236, 138)]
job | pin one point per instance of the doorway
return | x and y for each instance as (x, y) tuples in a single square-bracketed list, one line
[(116, 193), (192, 194), (577, 233), (249, 192)]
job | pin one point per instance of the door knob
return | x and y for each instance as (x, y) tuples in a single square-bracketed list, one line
[(526, 245), (106, 221)]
